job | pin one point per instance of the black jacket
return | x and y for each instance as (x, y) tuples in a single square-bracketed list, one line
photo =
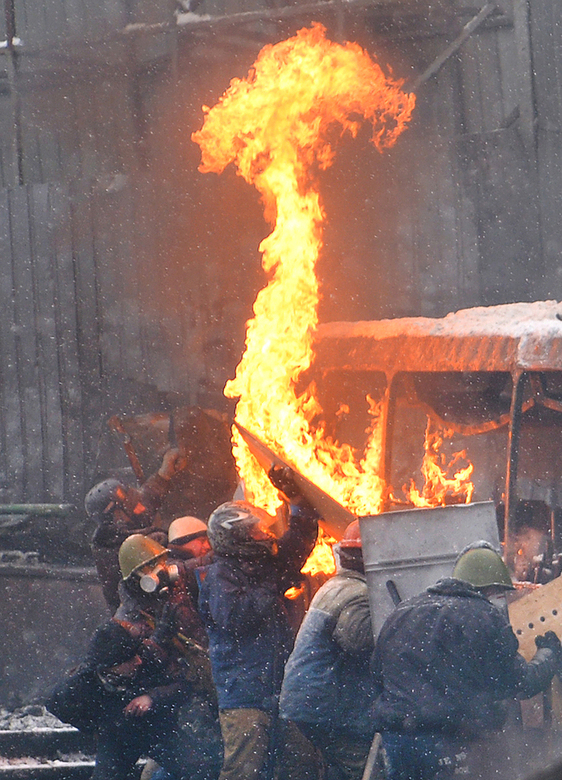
[(447, 658)]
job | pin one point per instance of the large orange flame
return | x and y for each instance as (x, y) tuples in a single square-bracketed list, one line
[(274, 127)]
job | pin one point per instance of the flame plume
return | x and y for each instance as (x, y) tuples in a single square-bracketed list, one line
[(274, 126)]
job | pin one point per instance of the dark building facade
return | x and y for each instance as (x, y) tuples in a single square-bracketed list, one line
[(119, 291)]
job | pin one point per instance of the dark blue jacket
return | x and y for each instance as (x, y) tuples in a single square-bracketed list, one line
[(447, 658), (328, 683), (243, 608)]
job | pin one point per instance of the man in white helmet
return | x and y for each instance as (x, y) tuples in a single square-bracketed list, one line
[(189, 548), (243, 606)]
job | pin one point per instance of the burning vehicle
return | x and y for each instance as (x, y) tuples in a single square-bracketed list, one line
[(485, 384)]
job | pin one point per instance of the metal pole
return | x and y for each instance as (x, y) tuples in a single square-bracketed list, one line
[(513, 455), (42, 510), (389, 408), (12, 71)]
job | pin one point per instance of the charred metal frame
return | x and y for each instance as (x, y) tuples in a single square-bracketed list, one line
[(518, 407), (521, 341), (514, 435)]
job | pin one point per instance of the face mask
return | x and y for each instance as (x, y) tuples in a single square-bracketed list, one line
[(160, 578)]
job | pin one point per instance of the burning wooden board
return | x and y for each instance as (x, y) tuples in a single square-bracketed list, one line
[(335, 517), (536, 613)]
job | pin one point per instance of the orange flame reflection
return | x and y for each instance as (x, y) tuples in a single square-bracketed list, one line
[(274, 127), (320, 561), (439, 489)]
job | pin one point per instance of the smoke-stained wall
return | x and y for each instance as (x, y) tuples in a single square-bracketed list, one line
[(127, 279)]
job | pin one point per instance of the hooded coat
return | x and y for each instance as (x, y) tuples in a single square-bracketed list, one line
[(328, 682), (447, 659)]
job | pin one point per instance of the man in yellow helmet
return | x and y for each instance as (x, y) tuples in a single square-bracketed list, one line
[(139, 662), (447, 661)]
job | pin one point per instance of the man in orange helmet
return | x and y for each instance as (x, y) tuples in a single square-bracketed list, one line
[(328, 689)]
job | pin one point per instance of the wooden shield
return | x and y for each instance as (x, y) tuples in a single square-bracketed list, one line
[(536, 613)]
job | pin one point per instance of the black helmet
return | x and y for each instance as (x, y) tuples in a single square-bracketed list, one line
[(240, 529), (105, 496)]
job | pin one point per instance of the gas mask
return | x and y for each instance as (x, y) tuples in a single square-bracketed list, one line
[(160, 578)]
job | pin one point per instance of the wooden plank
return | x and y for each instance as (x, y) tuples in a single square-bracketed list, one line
[(56, 30), (31, 22), (159, 285), (490, 82), (50, 382), (31, 157), (133, 364), (546, 62), (508, 66), (69, 139), (147, 248), (525, 71), (87, 321), (76, 18), (25, 293), (86, 124), (68, 347), (545, 39), (49, 152), (11, 431), (111, 292), (470, 87), (467, 232), (550, 195), (6, 141)]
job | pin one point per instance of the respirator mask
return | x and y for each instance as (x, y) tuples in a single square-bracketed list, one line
[(160, 578)]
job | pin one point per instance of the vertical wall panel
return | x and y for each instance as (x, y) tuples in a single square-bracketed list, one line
[(50, 380), (87, 320), (25, 295), (11, 409), (67, 341), (546, 37)]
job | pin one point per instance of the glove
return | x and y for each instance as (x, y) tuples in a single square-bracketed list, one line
[(283, 478), (550, 641), (167, 625), (172, 463)]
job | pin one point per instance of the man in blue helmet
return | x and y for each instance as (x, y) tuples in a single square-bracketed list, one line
[(243, 606)]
